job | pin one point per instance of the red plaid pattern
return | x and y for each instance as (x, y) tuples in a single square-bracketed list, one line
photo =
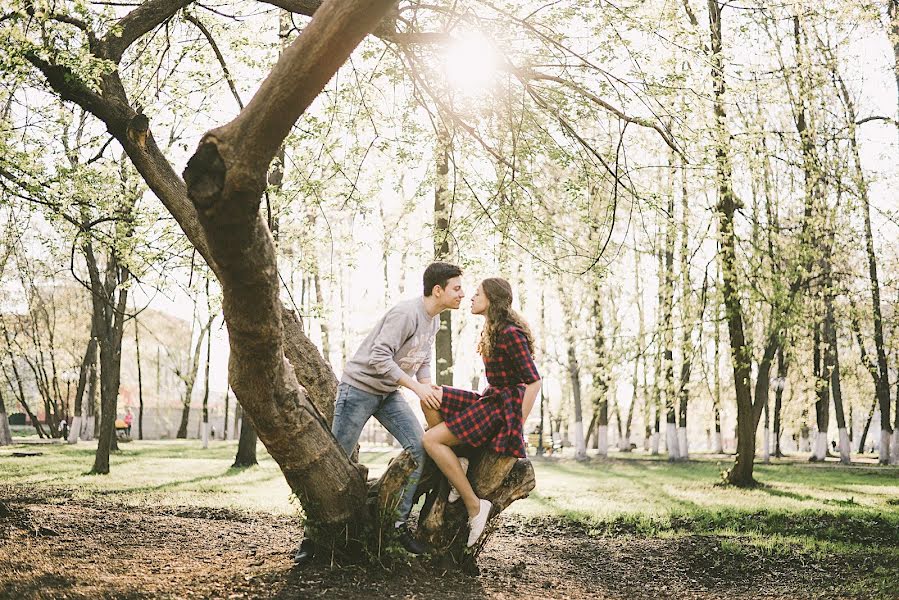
[(494, 415)]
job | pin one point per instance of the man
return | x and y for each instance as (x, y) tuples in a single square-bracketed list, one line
[(397, 352)]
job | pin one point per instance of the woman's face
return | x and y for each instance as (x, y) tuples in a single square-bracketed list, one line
[(479, 302)]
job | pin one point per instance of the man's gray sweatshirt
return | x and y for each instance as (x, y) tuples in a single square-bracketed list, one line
[(400, 343)]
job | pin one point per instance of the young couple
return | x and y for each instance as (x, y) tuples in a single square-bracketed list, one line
[(397, 352)]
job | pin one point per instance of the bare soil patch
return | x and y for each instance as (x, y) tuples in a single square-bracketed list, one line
[(54, 547)]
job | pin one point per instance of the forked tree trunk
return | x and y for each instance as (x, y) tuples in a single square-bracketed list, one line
[(90, 358), (287, 400), (190, 380), (833, 360)]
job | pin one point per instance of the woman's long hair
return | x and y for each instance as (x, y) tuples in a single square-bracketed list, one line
[(500, 315)]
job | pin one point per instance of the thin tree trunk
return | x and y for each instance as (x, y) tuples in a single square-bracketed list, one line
[(741, 473), (205, 429), (718, 441), (18, 386), (686, 321), (822, 393), (322, 319), (666, 328), (832, 359), (246, 446), (444, 342), (140, 385), (782, 367), (190, 381), (600, 378), (90, 358), (882, 378), (5, 434)]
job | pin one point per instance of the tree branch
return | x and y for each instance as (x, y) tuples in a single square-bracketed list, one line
[(132, 26), (218, 55)]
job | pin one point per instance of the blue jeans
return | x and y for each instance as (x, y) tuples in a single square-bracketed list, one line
[(353, 409)]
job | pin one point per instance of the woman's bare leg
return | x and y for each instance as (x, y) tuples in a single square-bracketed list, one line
[(433, 417), (438, 442)]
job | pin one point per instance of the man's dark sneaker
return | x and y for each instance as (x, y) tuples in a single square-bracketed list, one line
[(407, 539), (305, 553)]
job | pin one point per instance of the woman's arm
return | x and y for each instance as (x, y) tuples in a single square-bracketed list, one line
[(530, 396)]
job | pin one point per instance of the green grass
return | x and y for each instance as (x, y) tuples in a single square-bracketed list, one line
[(809, 511)]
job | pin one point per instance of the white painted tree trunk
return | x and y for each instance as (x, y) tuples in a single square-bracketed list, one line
[(654, 443), (884, 458), (204, 433), (237, 425), (580, 444), (602, 433), (87, 433), (75, 431), (671, 442), (845, 456), (5, 433), (804, 444), (717, 443), (894, 449), (766, 445), (820, 452), (624, 443), (683, 446)]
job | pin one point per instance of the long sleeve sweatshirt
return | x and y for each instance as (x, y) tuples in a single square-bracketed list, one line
[(400, 343)]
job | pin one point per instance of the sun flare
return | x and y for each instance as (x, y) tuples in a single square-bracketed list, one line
[(471, 62)]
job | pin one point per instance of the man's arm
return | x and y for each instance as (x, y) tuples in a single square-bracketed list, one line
[(423, 389)]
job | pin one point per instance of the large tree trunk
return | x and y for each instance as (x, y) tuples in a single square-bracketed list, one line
[(226, 178)]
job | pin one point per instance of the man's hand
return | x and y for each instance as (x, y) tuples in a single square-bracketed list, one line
[(428, 395)]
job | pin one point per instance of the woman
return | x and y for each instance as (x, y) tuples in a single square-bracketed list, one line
[(494, 417)]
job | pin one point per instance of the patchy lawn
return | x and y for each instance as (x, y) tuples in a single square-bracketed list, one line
[(175, 521)]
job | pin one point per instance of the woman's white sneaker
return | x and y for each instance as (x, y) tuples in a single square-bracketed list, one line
[(477, 523), (453, 494)]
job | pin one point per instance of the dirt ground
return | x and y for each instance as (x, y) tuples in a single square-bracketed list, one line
[(54, 547)]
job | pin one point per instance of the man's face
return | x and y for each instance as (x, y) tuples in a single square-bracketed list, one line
[(450, 296)]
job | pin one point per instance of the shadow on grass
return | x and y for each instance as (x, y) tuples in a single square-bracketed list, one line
[(852, 526)]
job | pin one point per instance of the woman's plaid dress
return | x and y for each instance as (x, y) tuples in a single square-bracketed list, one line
[(494, 416)]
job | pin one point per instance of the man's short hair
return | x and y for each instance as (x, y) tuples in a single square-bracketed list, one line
[(438, 273)]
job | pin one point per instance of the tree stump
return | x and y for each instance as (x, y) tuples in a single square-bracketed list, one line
[(444, 526)]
